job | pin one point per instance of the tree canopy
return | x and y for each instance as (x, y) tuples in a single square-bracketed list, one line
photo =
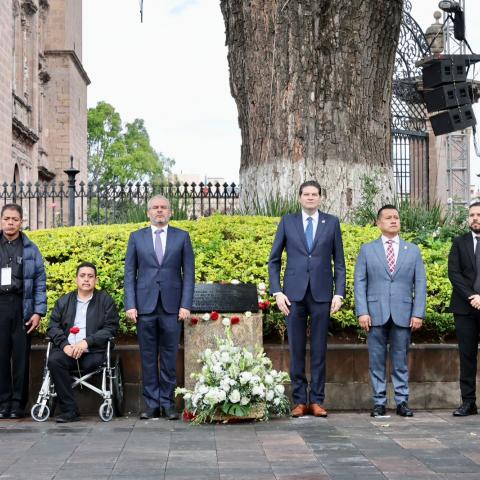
[(120, 153)]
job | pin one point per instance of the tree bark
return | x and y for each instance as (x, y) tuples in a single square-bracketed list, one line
[(312, 80)]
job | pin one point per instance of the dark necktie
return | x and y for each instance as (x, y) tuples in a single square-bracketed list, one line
[(476, 285), (158, 246), (309, 233)]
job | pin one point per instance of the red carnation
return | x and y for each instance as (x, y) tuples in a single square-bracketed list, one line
[(194, 320), (234, 320), (267, 303), (188, 416), (75, 330), (214, 316)]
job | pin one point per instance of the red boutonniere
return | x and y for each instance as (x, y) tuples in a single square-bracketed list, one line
[(214, 316), (235, 320), (194, 320), (74, 330)]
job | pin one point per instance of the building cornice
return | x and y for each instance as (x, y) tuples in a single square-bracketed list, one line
[(74, 58)]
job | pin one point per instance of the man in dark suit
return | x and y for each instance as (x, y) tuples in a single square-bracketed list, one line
[(95, 316), (464, 274), (390, 301), (159, 284), (312, 240)]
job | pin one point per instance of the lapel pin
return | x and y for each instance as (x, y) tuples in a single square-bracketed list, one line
[(323, 221), (405, 247)]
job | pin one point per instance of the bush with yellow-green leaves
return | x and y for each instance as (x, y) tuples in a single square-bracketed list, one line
[(226, 248)]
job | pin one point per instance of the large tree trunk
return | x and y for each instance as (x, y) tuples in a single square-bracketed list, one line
[(312, 81)]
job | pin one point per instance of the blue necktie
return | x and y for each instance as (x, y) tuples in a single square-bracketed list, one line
[(158, 246), (309, 233)]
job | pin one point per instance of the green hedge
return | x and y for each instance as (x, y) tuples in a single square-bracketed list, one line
[(226, 248)]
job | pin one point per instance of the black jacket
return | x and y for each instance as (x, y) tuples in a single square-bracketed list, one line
[(462, 272), (102, 320)]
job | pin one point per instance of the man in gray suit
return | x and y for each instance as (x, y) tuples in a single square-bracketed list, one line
[(390, 298)]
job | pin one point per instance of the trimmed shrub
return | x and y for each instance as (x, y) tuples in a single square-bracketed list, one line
[(226, 248)]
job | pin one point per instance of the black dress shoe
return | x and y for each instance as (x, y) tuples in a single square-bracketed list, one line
[(378, 411), (170, 413), (17, 413), (67, 418), (465, 409), (150, 413), (403, 410), (4, 413)]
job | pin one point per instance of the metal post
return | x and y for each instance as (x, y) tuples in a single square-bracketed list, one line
[(71, 173)]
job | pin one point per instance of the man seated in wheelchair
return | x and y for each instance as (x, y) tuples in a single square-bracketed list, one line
[(81, 323)]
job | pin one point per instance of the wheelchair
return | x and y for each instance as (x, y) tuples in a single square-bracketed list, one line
[(111, 389)]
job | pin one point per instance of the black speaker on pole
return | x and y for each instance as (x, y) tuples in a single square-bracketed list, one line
[(446, 91), (454, 119)]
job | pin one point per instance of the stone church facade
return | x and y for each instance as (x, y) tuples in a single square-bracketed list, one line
[(43, 92)]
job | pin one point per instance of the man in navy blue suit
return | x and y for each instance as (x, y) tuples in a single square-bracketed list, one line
[(312, 240), (159, 284)]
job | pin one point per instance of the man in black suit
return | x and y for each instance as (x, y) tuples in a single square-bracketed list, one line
[(464, 274), (95, 315)]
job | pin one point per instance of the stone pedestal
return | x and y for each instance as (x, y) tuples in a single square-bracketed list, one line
[(199, 337)]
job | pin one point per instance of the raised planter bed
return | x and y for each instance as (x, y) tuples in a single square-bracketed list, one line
[(434, 372)]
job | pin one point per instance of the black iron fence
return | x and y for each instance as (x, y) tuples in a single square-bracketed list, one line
[(59, 204)]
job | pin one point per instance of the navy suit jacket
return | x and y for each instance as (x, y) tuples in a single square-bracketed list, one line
[(304, 267), (145, 279)]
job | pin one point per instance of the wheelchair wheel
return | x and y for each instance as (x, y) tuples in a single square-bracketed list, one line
[(40, 412), (118, 396), (105, 412)]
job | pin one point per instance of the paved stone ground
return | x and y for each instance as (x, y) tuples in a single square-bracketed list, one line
[(432, 445)]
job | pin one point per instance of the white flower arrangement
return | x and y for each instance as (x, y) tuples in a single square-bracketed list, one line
[(233, 381)]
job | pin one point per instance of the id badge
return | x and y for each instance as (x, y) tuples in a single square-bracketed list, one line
[(6, 275)]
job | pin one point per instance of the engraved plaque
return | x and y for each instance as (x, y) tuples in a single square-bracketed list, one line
[(225, 298)]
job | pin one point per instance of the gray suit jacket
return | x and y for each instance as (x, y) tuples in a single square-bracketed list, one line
[(400, 295)]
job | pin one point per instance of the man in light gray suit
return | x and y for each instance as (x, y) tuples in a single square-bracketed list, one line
[(390, 298)]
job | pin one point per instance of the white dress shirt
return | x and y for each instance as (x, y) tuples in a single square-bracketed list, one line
[(163, 236), (80, 321), (395, 244)]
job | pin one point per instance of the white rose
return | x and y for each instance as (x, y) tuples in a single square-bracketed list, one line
[(203, 390), (276, 402), (206, 317), (226, 322), (201, 379), (248, 314), (225, 357), (221, 396), (217, 368), (269, 396), (234, 397), (268, 379), (280, 389), (258, 391), (245, 377), (262, 287), (244, 401), (187, 396)]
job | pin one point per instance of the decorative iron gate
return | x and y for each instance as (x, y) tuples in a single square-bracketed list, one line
[(409, 118)]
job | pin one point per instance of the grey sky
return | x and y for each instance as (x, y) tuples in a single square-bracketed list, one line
[(171, 70)]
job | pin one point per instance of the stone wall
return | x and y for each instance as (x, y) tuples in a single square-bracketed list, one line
[(6, 172), (434, 373)]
